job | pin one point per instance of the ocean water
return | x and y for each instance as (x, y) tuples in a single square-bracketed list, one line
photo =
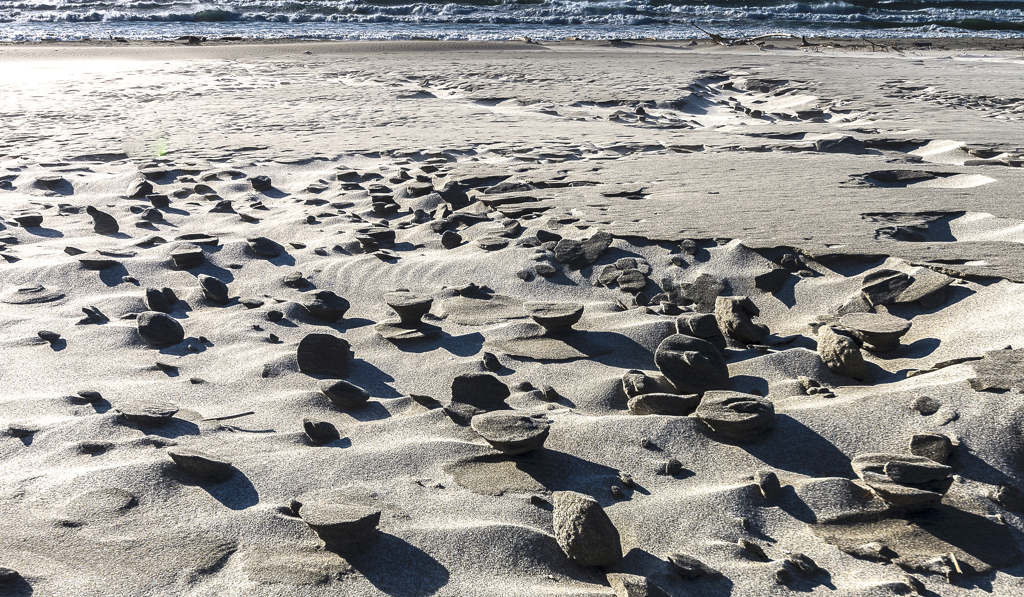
[(26, 20)]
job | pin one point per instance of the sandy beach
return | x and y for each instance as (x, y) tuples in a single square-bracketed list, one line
[(506, 319)]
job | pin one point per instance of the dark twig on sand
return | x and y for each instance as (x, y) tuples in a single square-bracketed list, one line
[(245, 414)]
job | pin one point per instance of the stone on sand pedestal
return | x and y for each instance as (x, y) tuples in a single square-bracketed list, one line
[(102, 222), (213, 289), (159, 329), (878, 331), (691, 364), (29, 220), (147, 412), (554, 317), (840, 354), (323, 354), (733, 314), (340, 525), (344, 394), (584, 531), (904, 480), (410, 308), (663, 404), (510, 432), (736, 415), (324, 304), (200, 464), (96, 261), (187, 255)]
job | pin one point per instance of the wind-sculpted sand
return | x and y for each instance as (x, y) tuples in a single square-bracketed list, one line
[(510, 319)]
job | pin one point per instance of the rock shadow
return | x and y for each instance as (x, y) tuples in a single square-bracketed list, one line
[(235, 492), (398, 568), (981, 538), (113, 275), (640, 562), (16, 586), (465, 345), (44, 232), (558, 471), (371, 379), (174, 427), (816, 456)]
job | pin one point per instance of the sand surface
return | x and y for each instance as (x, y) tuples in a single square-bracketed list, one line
[(642, 181)]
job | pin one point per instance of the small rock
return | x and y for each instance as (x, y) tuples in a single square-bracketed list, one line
[(733, 314), (583, 530), (264, 247), (511, 433), (544, 270), (324, 304), (410, 307), (926, 405), (344, 394), (158, 300), (214, 290), (323, 354), (90, 396), (274, 315), (608, 274), (102, 223), (139, 188), (631, 280), (884, 287), (671, 467), (260, 183), (691, 364), (199, 464), (736, 415), (490, 362), (840, 354), (632, 585), (476, 393), (876, 552), (295, 280), (147, 412), (768, 483), (48, 336), (904, 480), (450, 240), (934, 446), (159, 329), (626, 479), (29, 220), (554, 317), (753, 549), (879, 332), (340, 525), (320, 432), (689, 567)]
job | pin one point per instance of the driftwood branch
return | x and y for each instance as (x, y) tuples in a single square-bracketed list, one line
[(739, 41)]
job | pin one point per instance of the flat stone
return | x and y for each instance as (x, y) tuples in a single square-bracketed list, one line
[(410, 307), (884, 287), (200, 464), (261, 183), (999, 370), (878, 331), (102, 222), (608, 274), (689, 567), (31, 295), (904, 480), (159, 329), (633, 585), (492, 243), (94, 260), (324, 304), (343, 394), (736, 415), (663, 404), (840, 354), (323, 354), (187, 255), (918, 471), (476, 393), (48, 336), (29, 220), (927, 288), (583, 530), (691, 364), (510, 432), (340, 525), (214, 290), (733, 314), (264, 247), (554, 317), (934, 446), (138, 188), (147, 412), (631, 280)]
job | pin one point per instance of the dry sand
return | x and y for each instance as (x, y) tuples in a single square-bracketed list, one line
[(818, 182)]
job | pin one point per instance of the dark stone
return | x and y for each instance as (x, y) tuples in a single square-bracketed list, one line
[(904, 480), (152, 215), (663, 404), (187, 255), (608, 274), (261, 183), (926, 405), (324, 304), (691, 364), (510, 432), (344, 394), (583, 530), (340, 525), (450, 240), (753, 549), (102, 223), (768, 483), (323, 354), (410, 307), (95, 261), (544, 270), (702, 292), (222, 207), (844, 144), (476, 393), (736, 415), (999, 370), (490, 362), (633, 585), (147, 412), (159, 329), (884, 287), (29, 220), (934, 446), (631, 280), (90, 396), (491, 243), (160, 201), (48, 336), (157, 300), (264, 247), (213, 289), (320, 432), (139, 188), (274, 315), (199, 464)]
